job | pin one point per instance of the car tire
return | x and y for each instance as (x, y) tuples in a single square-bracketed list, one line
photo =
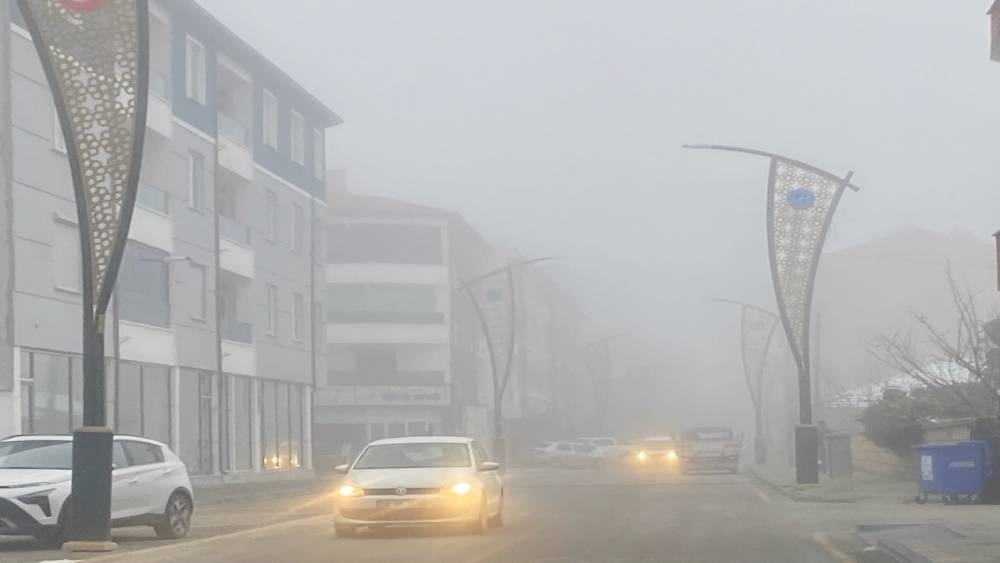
[(49, 537), (345, 530), (496, 521), (176, 521)]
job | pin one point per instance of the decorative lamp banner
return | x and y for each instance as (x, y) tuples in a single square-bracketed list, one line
[(95, 55), (801, 203), (757, 329)]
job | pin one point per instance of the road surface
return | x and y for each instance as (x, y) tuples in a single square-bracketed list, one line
[(578, 516)]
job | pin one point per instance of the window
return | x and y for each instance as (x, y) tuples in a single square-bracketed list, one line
[(243, 397), (384, 243), (119, 460), (298, 227), (295, 395), (480, 452), (66, 257), (143, 290), (298, 127), (272, 309), (392, 303), (196, 180), (374, 362), (129, 412), (156, 402), (319, 153), (269, 119), (298, 316), (268, 425), (199, 276), (142, 453), (271, 215), (49, 375), (194, 56), (563, 448), (58, 140), (195, 389)]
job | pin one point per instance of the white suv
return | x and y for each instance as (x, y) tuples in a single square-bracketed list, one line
[(149, 487)]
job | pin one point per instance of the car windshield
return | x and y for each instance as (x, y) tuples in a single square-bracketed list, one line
[(658, 444), (36, 454), (407, 456), (708, 435)]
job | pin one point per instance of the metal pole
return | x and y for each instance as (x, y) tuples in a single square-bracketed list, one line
[(217, 263), (7, 375)]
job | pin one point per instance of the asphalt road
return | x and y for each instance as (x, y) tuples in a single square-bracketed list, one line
[(552, 516)]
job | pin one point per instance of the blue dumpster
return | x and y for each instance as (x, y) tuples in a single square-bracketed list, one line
[(954, 470)]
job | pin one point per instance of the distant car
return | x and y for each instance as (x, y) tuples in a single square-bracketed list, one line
[(566, 454), (608, 448), (657, 452), (710, 448), (419, 481), (149, 487)]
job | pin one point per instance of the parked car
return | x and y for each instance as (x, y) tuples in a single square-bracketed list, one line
[(149, 486), (610, 449), (419, 481), (566, 454)]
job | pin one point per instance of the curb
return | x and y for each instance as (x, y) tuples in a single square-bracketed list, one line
[(795, 495), (900, 553)]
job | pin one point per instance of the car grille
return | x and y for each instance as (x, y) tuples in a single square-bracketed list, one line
[(393, 493), (402, 514)]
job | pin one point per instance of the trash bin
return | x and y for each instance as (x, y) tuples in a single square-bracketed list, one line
[(839, 465), (955, 470)]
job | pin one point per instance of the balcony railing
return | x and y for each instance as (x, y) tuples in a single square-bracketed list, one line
[(143, 309), (153, 198), (232, 129), (159, 85), (335, 377), (237, 331), (385, 317), (233, 230)]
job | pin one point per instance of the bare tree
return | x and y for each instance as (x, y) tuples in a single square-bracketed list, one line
[(967, 346)]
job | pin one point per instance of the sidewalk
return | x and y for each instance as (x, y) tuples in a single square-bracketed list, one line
[(238, 492), (861, 488)]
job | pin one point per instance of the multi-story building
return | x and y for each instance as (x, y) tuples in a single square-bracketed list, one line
[(403, 355), (213, 348)]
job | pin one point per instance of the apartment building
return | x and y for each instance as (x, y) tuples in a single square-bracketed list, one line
[(212, 346), (403, 349)]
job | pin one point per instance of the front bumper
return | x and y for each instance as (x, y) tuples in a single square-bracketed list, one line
[(15, 520), (415, 510), (713, 463)]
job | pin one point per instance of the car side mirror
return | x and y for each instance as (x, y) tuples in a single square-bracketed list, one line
[(342, 469), (489, 466)]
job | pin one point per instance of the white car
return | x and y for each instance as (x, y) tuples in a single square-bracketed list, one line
[(566, 454), (608, 448), (149, 487), (417, 481)]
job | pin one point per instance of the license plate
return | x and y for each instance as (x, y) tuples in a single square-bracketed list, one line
[(398, 504)]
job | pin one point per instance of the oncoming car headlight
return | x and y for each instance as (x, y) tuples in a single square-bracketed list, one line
[(642, 456), (672, 455), (460, 489), (350, 491)]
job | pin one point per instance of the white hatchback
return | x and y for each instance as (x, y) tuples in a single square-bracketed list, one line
[(149, 487), (428, 480)]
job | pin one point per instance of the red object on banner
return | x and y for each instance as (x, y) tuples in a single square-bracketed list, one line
[(83, 5)]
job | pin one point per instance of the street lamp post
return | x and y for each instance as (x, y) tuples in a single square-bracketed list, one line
[(497, 318), (757, 327), (801, 202), (95, 54)]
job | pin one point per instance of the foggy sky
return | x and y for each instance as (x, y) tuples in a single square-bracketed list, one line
[(555, 127)]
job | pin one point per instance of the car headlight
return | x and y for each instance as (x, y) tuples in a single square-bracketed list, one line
[(642, 456), (350, 491), (39, 499), (460, 489), (672, 455)]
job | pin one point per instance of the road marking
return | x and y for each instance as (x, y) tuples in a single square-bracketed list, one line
[(129, 555), (833, 551), (762, 496)]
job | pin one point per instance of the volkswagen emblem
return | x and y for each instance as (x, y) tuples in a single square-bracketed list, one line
[(401, 491)]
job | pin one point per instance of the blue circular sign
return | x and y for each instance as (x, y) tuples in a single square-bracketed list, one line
[(494, 295), (801, 198)]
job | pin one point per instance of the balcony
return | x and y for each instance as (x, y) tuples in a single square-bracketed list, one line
[(236, 331), (399, 317), (159, 115), (234, 146), (412, 377), (153, 198), (233, 230), (150, 223)]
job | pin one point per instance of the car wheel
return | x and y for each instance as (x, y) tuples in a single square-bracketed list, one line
[(345, 530), (49, 537), (176, 518), (496, 520)]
